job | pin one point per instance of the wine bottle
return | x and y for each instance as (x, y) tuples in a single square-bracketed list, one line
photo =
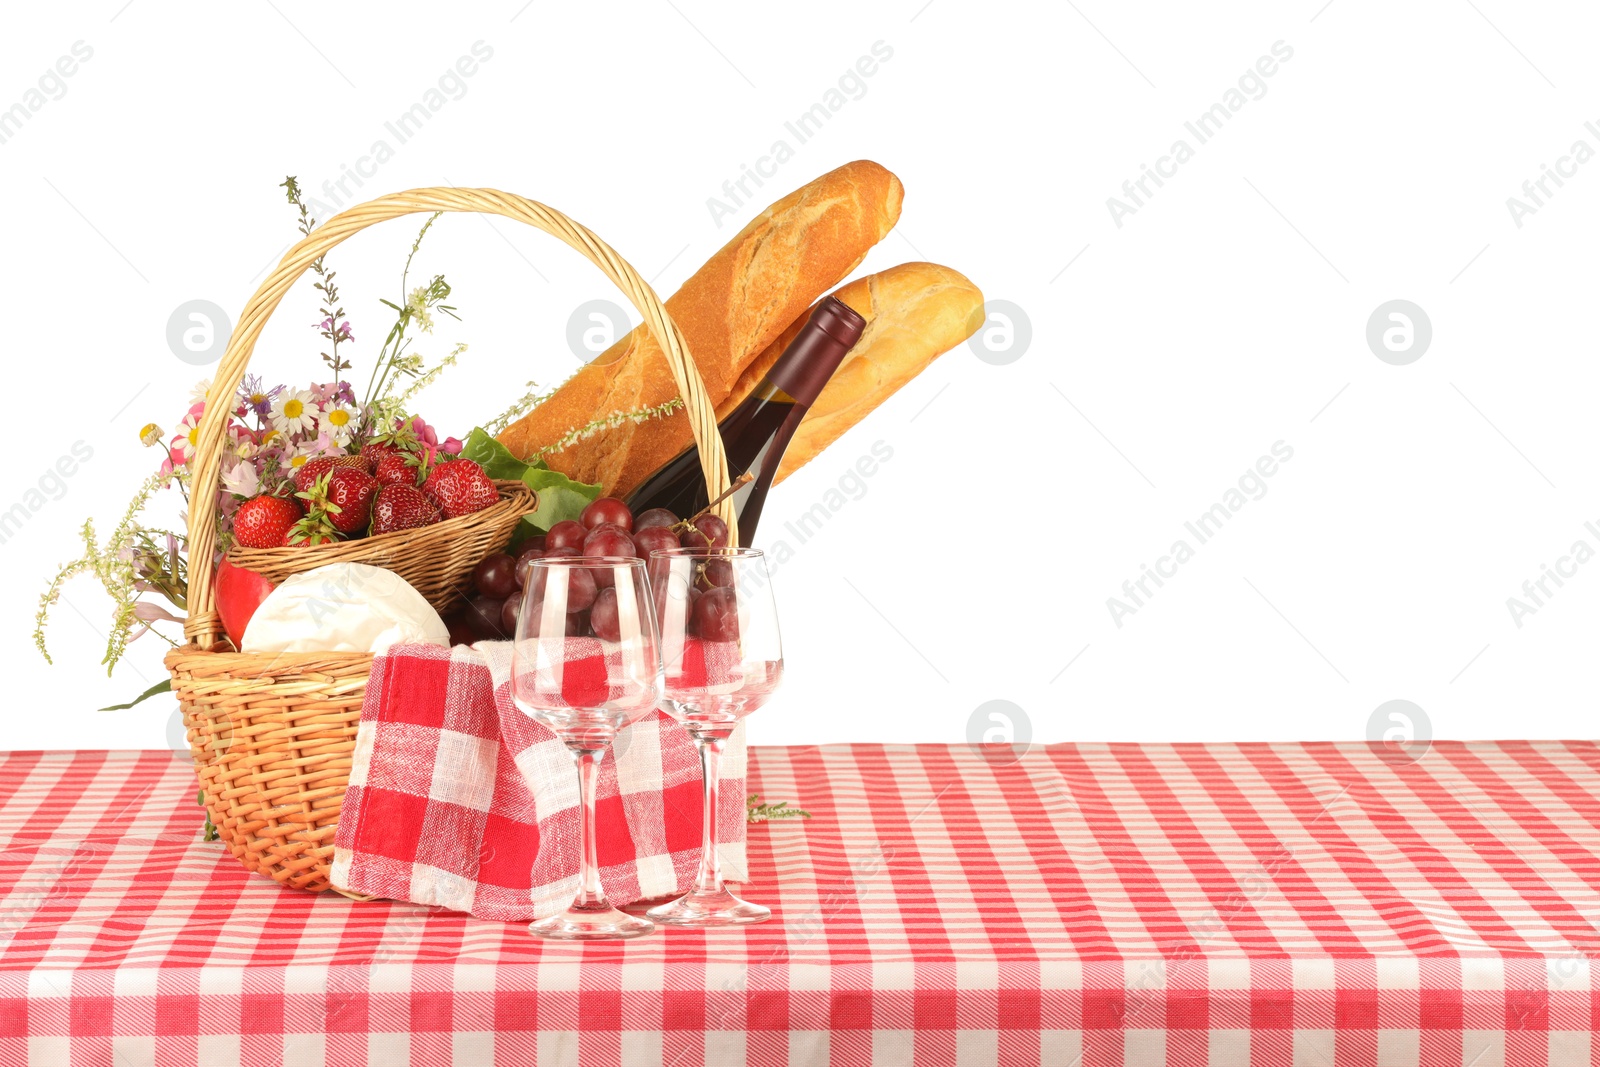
[(755, 433)]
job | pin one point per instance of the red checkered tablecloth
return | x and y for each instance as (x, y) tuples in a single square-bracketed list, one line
[(1086, 904)]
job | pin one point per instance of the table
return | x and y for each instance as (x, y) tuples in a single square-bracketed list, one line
[(1093, 904)]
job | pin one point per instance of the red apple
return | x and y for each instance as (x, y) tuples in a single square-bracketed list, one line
[(239, 593)]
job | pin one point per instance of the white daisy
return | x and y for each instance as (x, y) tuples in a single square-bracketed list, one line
[(198, 393), (294, 412), (338, 421), (186, 438)]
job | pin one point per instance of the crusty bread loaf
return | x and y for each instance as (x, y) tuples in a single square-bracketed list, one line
[(914, 312), (731, 309)]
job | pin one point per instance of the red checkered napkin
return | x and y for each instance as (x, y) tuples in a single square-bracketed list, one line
[(458, 799)]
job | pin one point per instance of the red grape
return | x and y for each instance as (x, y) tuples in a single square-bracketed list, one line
[(607, 509), (563, 553), (716, 616), (608, 540), (693, 538), (577, 624), (525, 565), (715, 530), (654, 517), (581, 586), (509, 614), (483, 617), (496, 575), (653, 539), (604, 617), (718, 573), (536, 541), (565, 534)]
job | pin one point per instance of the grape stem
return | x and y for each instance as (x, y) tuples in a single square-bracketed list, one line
[(738, 483)]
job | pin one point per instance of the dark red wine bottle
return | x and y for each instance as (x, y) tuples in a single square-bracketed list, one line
[(756, 432)]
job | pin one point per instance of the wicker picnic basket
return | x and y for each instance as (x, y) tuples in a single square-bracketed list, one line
[(273, 735)]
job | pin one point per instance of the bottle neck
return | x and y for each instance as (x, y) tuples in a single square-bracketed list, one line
[(806, 365), (769, 391)]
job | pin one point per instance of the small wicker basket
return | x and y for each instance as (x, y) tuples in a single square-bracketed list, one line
[(437, 560), (272, 735)]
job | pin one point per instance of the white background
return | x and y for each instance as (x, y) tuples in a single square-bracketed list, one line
[(1166, 355)]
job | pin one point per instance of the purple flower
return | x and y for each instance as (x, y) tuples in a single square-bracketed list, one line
[(256, 397)]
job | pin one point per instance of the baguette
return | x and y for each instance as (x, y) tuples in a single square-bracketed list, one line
[(729, 310), (914, 312)]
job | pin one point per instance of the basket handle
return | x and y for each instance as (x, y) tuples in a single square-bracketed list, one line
[(201, 625)]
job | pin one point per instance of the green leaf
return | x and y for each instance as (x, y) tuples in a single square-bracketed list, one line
[(559, 498), (495, 458), (159, 687)]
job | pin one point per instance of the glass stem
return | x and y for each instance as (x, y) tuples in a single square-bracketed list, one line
[(590, 895), (709, 880)]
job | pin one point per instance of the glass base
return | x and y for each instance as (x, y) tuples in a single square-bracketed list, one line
[(697, 908), (590, 923)]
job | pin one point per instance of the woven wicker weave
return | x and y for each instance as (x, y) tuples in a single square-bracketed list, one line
[(272, 735)]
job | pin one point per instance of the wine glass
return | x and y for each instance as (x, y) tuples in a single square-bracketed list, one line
[(722, 658), (585, 663)]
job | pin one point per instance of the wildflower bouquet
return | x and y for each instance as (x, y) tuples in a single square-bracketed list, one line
[(307, 466)]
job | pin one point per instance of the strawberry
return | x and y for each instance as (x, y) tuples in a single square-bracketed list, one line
[(312, 469), (402, 507), (263, 521), (377, 449), (338, 504), (460, 487), (347, 494), (395, 468)]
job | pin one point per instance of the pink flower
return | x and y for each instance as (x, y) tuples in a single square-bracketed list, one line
[(333, 393), (145, 611), (241, 477), (343, 333), (452, 445), (324, 446)]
